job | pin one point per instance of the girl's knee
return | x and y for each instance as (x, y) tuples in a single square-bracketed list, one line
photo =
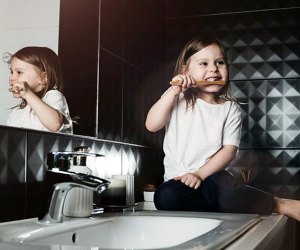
[(165, 198)]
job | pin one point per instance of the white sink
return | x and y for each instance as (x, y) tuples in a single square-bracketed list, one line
[(140, 230)]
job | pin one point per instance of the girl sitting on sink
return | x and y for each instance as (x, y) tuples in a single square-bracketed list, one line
[(202, 134)]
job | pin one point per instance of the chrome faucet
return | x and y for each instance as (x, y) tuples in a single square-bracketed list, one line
[(67, 181), (59, 180)]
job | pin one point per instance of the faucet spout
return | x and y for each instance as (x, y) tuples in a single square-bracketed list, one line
[(65, 182)]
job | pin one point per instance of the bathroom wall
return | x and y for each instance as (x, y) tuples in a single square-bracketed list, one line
[(139, 41), (263, 45), (23, 162), (120, 73)]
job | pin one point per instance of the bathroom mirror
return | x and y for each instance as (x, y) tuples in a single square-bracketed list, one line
[(30, 23)]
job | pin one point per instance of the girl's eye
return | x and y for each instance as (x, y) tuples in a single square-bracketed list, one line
[(221, 62), (203, 64)]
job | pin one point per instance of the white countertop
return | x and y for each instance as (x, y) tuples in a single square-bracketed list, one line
[(262, 234)]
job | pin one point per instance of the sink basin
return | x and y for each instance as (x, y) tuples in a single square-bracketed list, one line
[(139, 230), (142, 232)]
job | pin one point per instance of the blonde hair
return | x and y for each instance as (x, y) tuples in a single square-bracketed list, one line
[(191, 47), (46, 60)]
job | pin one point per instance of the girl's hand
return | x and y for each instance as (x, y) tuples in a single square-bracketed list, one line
[(186, 82), (20, 89), (191, 180)]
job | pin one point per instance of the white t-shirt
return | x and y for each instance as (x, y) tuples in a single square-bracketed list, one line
[(193, 136), (26, 118)]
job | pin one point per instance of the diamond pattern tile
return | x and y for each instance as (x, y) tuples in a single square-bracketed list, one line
[(12, 155), (271, 112)]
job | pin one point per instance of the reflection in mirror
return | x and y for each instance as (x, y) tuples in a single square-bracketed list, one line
[(27, 29), (36, 80)]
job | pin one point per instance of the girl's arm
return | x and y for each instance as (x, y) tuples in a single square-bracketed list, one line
[(160, 111), (218, 162), (51, 118)]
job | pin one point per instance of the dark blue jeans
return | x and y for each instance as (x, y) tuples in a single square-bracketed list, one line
[(217, 193)]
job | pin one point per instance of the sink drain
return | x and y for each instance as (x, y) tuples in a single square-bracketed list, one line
[(74, 238)]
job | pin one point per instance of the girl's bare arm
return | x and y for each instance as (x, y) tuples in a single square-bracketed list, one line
[(218, 162), (160, 111), (48, 116)]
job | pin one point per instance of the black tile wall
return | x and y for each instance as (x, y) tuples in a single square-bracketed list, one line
[(144, 32), (23, 155), (110, 97), (271, 113), (189, 8), (83, 107), (12, 174), (133, 111), (76, 12), (132, 45), (111, 26), (78, 51)]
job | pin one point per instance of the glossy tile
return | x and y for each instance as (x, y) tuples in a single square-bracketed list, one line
[(82, 102), (77, 12), (110, 97), (112, 26), (184, 9), (144, 29), (78, 50)]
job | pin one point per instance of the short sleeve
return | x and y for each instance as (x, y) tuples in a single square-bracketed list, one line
[(57, 100), (233, 126)]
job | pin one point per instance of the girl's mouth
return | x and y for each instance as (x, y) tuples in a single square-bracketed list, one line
[(213, 79), (15, 90)]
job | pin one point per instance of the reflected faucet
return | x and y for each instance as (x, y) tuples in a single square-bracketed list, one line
[(65, 181)]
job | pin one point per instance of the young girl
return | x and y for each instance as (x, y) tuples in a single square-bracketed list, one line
[(36, 78), (202, 133)]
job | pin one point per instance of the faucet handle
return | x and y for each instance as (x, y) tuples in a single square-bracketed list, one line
[(61, 159), (90, 180)]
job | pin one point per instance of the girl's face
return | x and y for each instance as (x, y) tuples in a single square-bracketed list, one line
[(208, 64), (21, 71)]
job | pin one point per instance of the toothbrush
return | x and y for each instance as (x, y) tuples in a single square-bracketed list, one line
[(179, 82)]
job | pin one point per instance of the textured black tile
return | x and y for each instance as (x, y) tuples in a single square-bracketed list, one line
[(12, 155), (260, 45), (13, 170), (179, 8), (271, 112), (275, 171)]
